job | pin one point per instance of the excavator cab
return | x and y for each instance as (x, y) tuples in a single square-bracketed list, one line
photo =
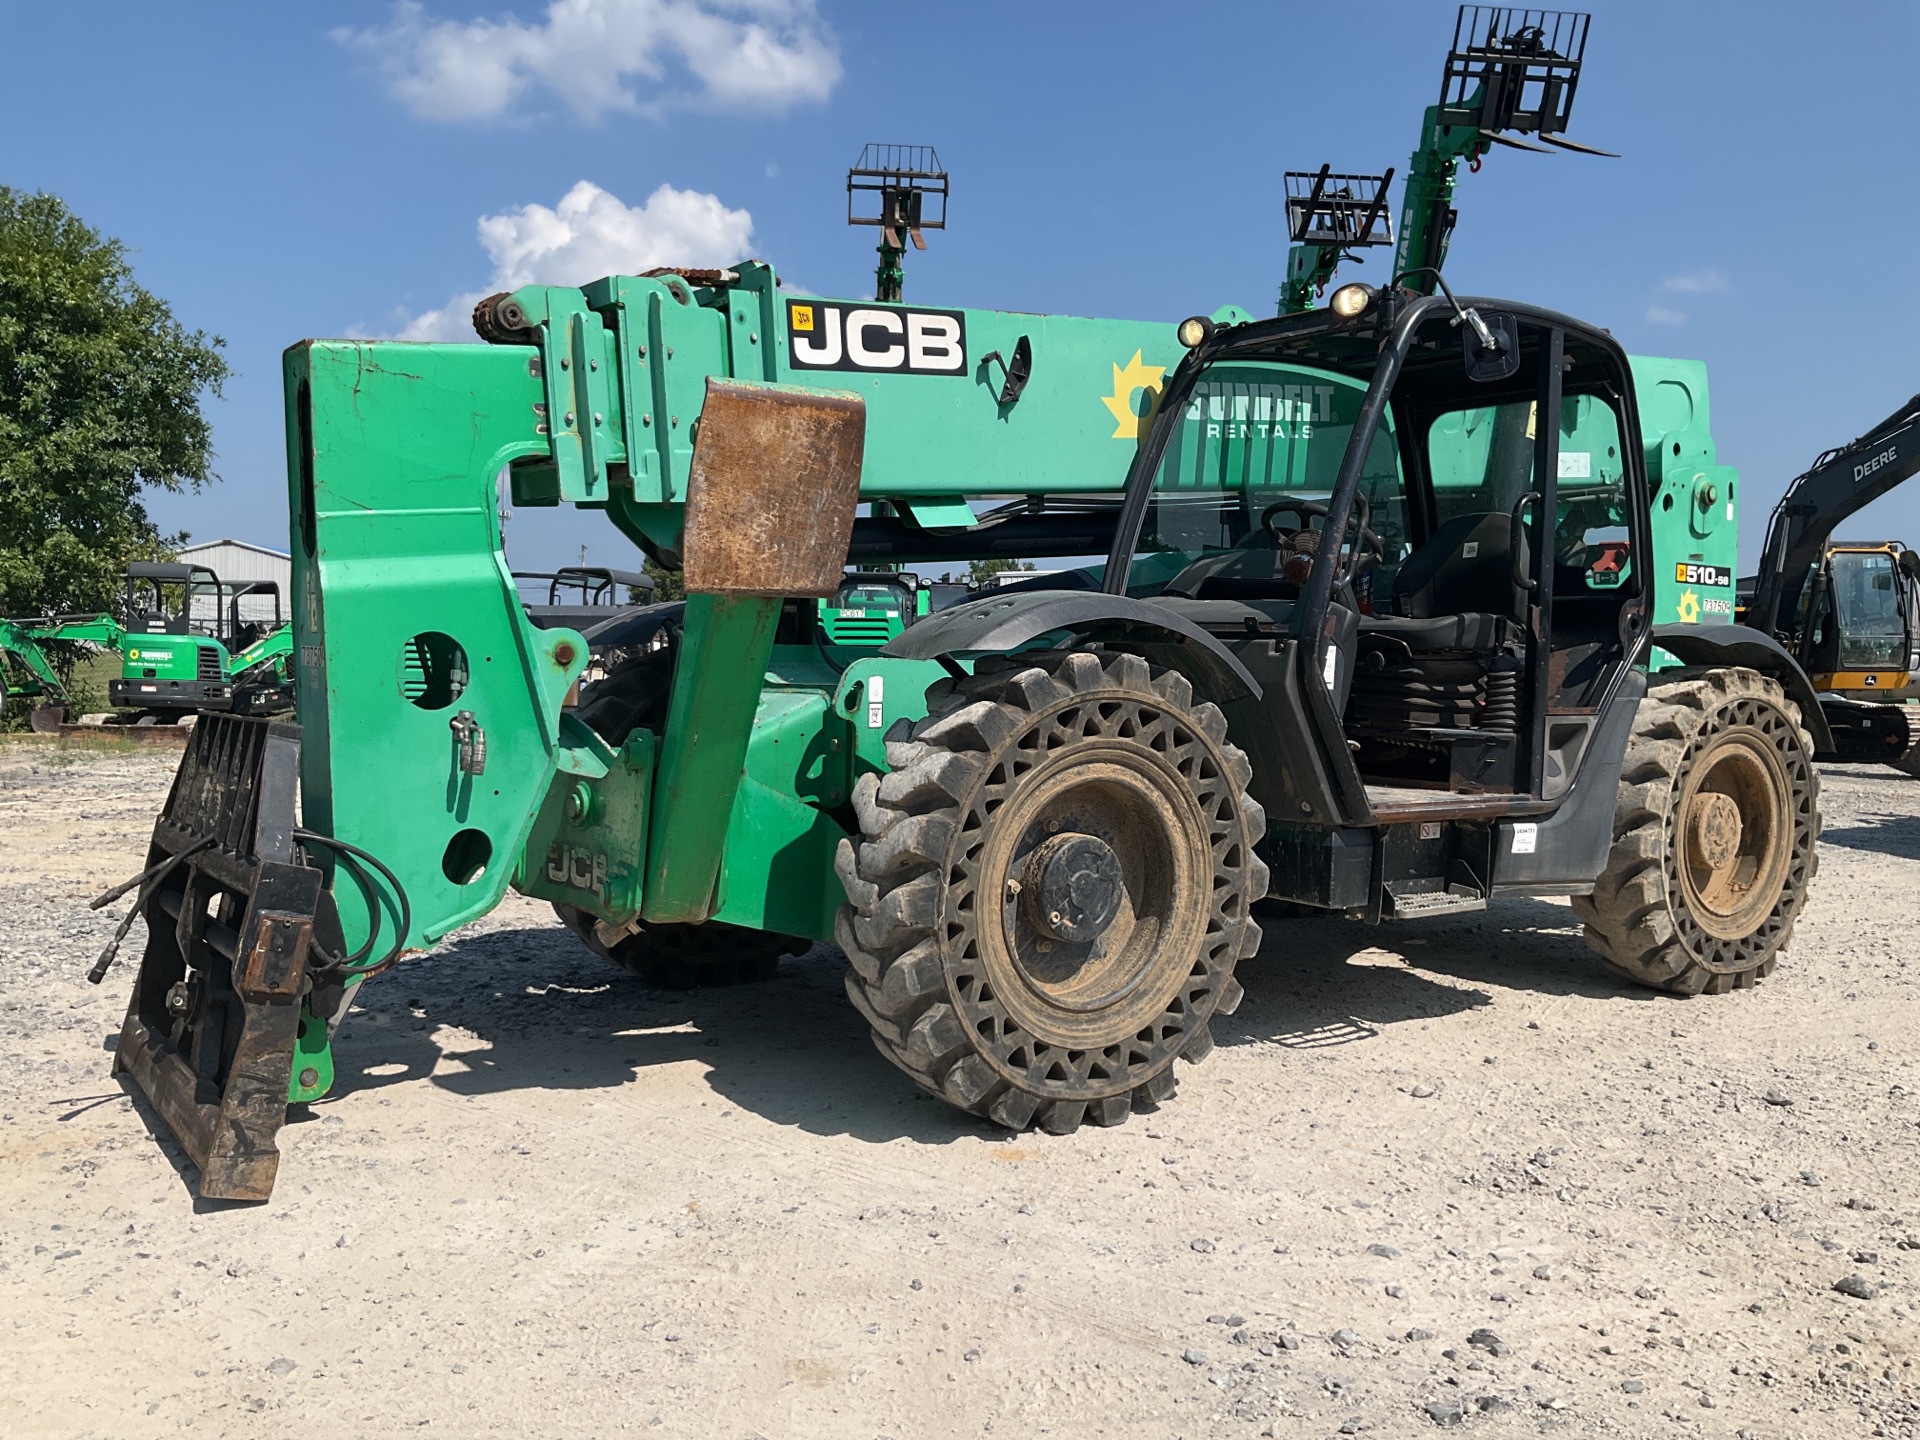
[(171, 599), (1860, 625)]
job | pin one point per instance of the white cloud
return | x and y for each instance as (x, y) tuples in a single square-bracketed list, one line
[(591, 233), (1661, 315), (1697, 282), (736, 54)]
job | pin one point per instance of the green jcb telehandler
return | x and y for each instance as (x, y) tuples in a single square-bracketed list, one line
[(1371, 609), (1360, 635)]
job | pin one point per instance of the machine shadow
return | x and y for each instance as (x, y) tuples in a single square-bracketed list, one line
[(1322, 981), (506, 1009), (546, 1013), (1897, 835)]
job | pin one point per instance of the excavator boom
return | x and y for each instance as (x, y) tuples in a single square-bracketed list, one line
[(1838, 485)]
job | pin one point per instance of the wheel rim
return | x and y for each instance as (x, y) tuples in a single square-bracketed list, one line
[(1077, 991), (1736, 833), (1740, 833), (1085, 1019)]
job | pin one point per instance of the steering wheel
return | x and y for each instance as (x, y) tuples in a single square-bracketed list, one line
[(1371, 548)]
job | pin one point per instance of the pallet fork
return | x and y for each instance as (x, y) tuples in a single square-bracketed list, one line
[(230, 908)]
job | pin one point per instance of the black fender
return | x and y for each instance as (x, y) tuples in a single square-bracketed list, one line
[(1723, 645), (634, 625), (1000, 623)]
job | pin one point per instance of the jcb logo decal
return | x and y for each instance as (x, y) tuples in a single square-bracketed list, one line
[(577, 868), (889, 338)]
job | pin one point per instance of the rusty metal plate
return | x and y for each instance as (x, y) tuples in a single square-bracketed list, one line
[(771, 496)]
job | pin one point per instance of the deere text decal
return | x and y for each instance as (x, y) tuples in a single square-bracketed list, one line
[(836, 336)]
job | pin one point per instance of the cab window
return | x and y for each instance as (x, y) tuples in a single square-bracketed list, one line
[(1481, 460), (1258, 441)]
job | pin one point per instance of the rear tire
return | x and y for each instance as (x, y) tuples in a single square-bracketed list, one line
[(1714, 836), (1909, 763), (689, 957), (1051, 888)]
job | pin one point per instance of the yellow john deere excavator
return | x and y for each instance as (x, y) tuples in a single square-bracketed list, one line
[(1849, 610)]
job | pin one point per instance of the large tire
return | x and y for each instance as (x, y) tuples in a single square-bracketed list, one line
[(1909, 763), (686, 957), (1714, 836), (1108, 812), (633, 696)]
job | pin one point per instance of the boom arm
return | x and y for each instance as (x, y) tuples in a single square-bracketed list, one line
[(1842, 481), (1427, 213), (1511, 72), (20, 648)]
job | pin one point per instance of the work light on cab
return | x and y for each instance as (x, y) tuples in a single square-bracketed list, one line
[(1351, 300), (1194, 331)]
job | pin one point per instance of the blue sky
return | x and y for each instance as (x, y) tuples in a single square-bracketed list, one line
[(282, 171)]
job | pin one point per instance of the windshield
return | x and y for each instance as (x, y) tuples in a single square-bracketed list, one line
[(875, 595), (1240, 494), (1866, 592)]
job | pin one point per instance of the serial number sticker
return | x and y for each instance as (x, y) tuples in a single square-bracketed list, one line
[(1688, 572), (1526, 835), (876, 698)]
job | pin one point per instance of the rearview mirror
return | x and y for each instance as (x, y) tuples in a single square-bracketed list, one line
[(1484, 365)]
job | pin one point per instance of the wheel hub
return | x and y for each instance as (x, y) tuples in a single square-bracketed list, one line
[(1072, 887), (1736, 833), (1716, 830)]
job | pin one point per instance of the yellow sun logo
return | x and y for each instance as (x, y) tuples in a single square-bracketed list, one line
[(1689, 608), (1130, 424)]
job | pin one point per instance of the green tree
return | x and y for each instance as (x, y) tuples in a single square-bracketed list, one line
[(981, 572), (100, 391), (666, 583)]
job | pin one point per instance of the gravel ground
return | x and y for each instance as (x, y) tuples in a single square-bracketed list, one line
[(1433, 1177)]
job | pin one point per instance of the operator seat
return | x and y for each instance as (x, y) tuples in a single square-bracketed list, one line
[(1456, 592), (1448, 657)]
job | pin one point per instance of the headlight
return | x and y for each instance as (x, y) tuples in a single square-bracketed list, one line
[(1351, 300), (1194, 331)]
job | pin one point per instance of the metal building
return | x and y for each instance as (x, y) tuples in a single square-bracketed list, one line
[(238, 563)]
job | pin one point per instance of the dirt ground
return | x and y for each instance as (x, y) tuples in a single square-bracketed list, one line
[(547, 1200)]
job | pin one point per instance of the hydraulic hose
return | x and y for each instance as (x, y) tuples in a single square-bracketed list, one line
[(351, 965)]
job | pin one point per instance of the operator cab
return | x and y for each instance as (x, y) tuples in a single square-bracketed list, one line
[(1438, 593), (174, 599), (1860, 617), (253, 614)]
